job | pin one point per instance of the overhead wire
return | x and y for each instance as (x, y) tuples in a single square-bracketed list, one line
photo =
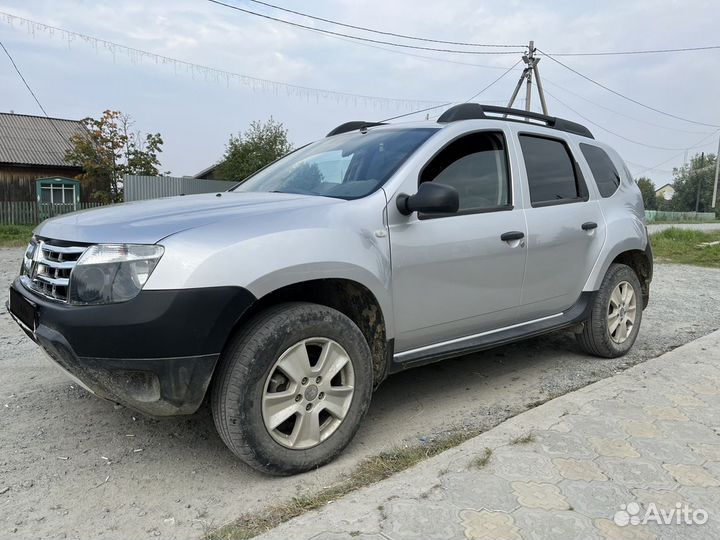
[(360, 38), (471, 44), (646, 51), (27, 85), (624, 115), (700, 143), (601, 85), (384, 33), (450, 103), (245, 79), (30, 90), (415, 55), (588, 120), (495, 81)]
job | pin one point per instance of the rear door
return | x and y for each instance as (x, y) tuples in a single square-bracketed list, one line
[(566, 228)]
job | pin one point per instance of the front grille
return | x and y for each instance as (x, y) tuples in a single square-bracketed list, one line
[(48, 264)]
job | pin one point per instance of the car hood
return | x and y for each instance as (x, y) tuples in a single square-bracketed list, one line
[(148, 222)]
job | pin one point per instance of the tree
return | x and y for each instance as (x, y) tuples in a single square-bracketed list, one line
[(647, 188), (700, 170), (248, 152), (109, 149)]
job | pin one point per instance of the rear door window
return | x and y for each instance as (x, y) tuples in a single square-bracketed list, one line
[(551, 172), (606, 175)]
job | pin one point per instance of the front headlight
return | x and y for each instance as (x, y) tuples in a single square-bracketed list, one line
[(108, 273)]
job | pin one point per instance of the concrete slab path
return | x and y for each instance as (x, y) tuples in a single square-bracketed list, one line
[(636, 455)]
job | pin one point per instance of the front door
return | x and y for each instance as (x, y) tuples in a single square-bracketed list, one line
[(453, 275)]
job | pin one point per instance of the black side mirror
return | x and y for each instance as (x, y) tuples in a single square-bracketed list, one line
[(430, 198)]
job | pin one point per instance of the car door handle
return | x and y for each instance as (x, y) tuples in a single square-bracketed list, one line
[(589, 225), (512, 235)]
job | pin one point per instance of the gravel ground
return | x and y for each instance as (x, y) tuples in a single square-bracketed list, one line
[(73, 466)]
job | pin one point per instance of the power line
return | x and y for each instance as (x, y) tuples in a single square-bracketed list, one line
[(416, 112), (415, 55), (626, 97), (648, 51), (608, 130), (27, 85), (469, 44), (698, 144), (450, 103), (381, 32), (369, 40), (17, 69), (137, 55), (495, 81), (641, 166), (545, 79)]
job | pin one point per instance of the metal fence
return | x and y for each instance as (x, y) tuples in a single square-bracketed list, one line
[(139, 188), (659, 215), (32, 213)]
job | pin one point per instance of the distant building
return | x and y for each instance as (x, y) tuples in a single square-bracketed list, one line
[(32, 159), (208, 174), (667, 192)]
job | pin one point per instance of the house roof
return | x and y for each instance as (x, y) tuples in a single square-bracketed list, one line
[(36, 140), (664, 186), (206, 172)]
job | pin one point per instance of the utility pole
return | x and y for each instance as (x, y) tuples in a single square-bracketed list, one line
[(717, 170), (531, 62), (699, 181)]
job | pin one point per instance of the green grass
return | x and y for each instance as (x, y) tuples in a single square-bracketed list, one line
[(683, 247), (368, 472), (15, 235)]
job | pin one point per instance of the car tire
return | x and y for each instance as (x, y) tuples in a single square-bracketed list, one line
[(263, 376), (617, 303)]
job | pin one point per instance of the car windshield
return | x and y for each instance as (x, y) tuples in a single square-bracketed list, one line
[(346, 166)]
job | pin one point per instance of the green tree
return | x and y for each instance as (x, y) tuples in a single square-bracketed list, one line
[(700, 170), (108, 149), (647, 188), (248, 152)]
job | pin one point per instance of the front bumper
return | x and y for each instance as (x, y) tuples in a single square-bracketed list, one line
[(155, 353)]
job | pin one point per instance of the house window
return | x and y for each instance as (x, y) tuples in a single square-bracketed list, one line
[(58, 192)]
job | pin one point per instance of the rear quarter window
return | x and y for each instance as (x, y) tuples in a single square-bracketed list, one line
[(606, 175)]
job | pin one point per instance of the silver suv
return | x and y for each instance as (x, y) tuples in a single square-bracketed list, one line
[(289, 298)]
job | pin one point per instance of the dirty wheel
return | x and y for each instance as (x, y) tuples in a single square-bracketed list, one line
[(616, 314), (292, 387)]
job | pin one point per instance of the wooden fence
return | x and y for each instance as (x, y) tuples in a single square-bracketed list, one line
[(32, 213)]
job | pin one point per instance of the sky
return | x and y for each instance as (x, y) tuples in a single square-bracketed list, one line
[(196, 111)]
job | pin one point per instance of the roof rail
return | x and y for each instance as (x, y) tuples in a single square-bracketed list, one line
[(474, 111), (352, 126)]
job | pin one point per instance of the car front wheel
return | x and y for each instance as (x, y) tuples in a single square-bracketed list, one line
[(292, 388)]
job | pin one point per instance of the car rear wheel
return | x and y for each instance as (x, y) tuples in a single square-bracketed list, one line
[(292, 388), (616, 314)]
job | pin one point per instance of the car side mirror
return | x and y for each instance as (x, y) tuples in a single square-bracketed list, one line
[(430, 198)]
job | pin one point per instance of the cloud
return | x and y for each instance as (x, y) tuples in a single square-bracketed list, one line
[(196, 113)]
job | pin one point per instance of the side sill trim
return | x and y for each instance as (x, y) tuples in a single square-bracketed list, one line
[(430, 348), (579, 312)]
